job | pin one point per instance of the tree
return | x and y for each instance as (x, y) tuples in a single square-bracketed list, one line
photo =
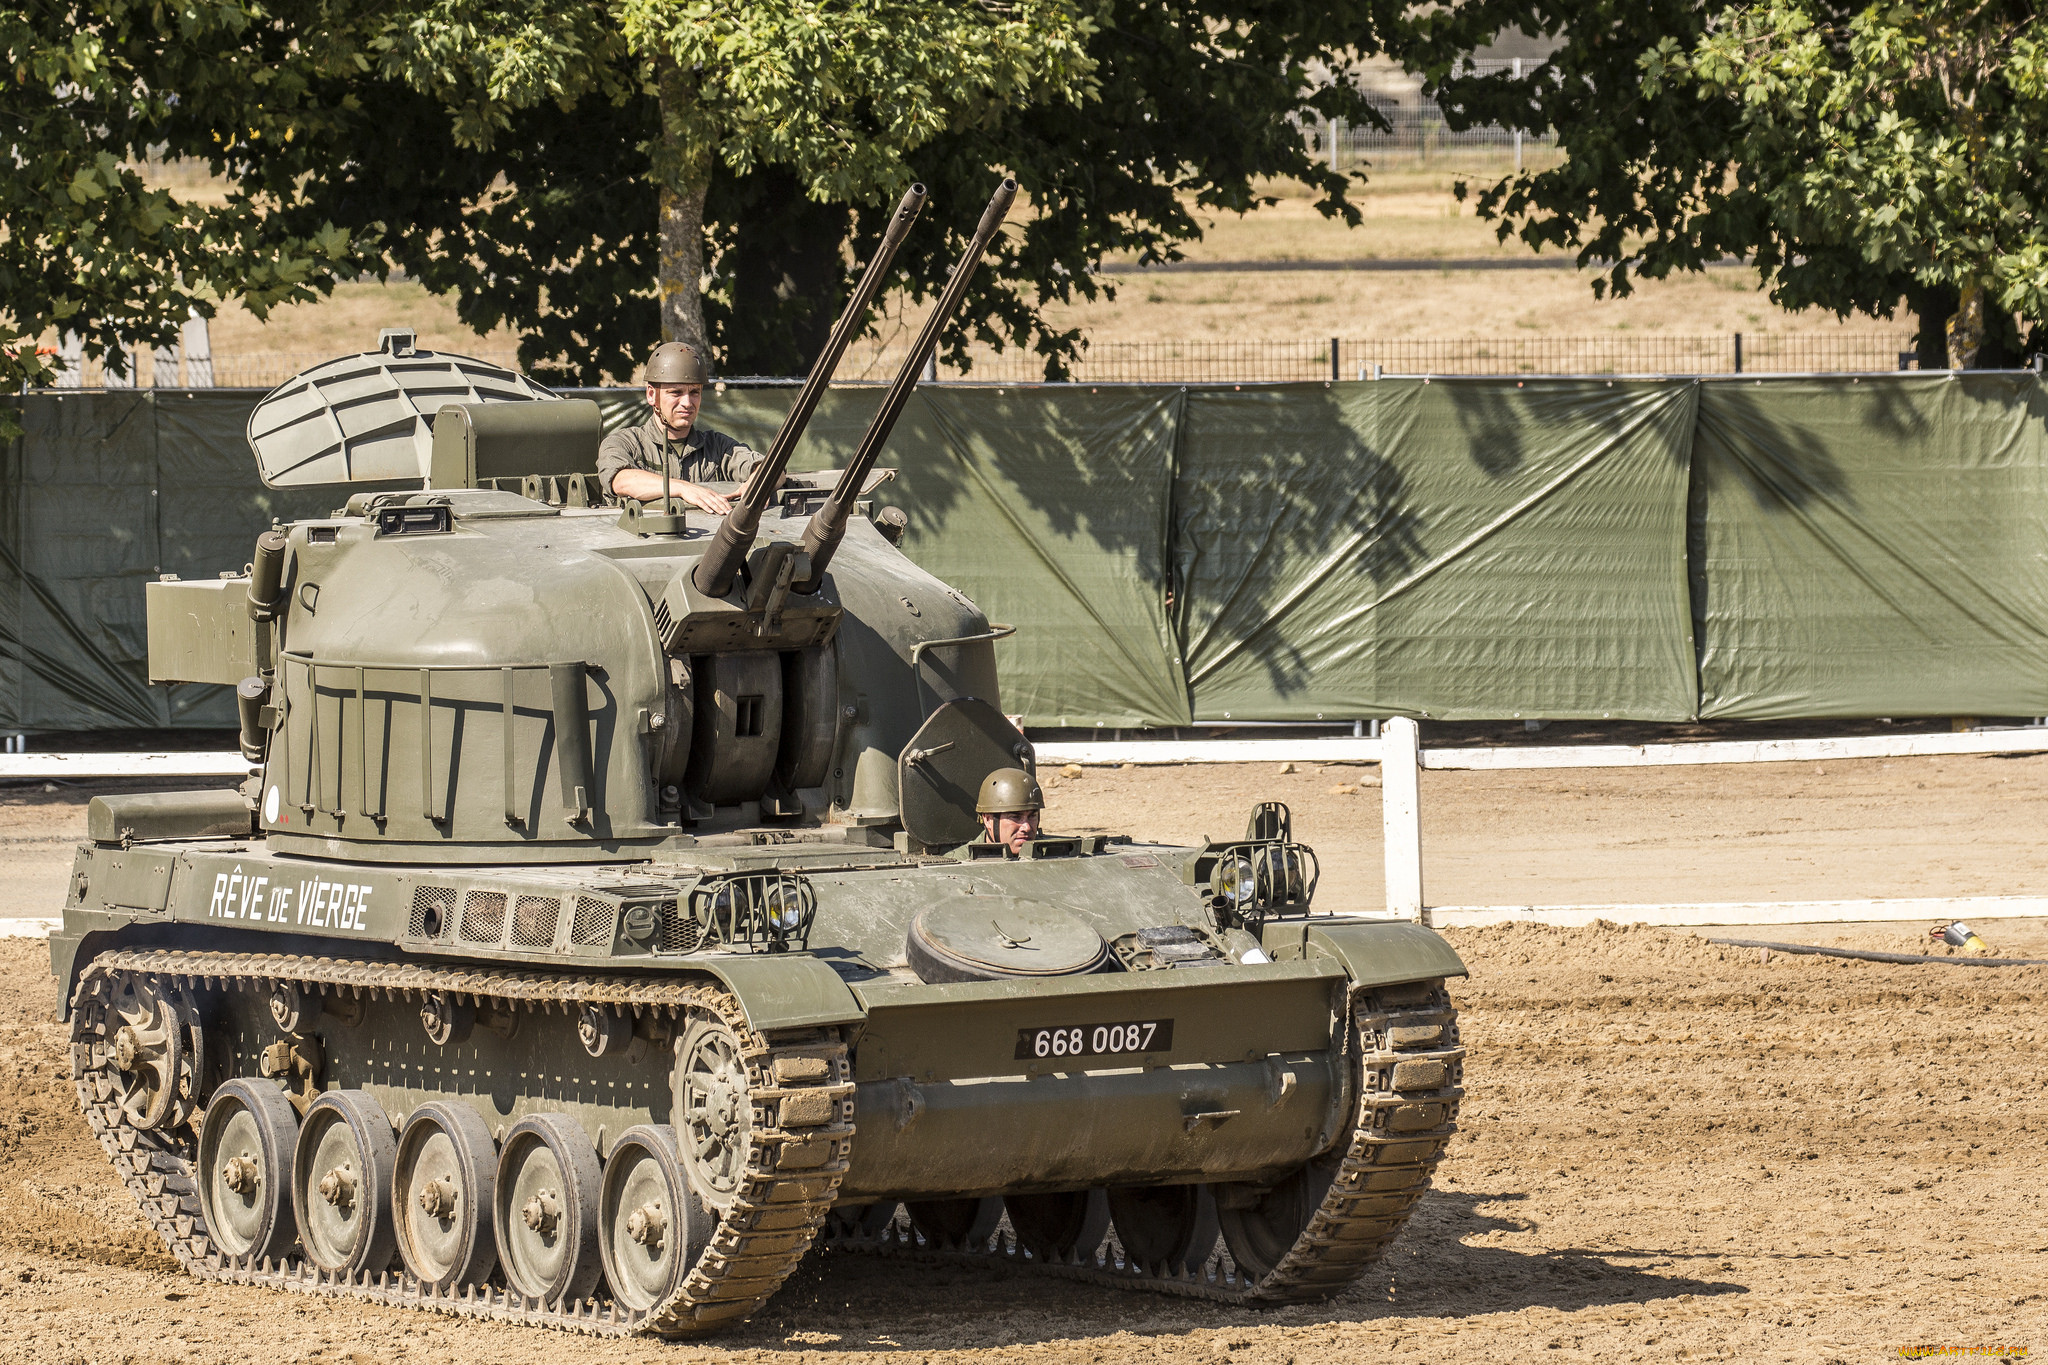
[(87, 246), (550, 221), (1857, 156), (837, 93)]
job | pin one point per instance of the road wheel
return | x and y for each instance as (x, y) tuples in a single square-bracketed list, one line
[(441, 1196), (1165, 1228), (245, 1161), (651, 1227), (956, 1223), (545, 1209), (341, 1184), (1059, 1227)]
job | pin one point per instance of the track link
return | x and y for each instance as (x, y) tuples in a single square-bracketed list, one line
[(793, 1169), (1407, 1083)]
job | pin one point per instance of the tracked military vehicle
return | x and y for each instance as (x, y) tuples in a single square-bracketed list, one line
[(607, 923)]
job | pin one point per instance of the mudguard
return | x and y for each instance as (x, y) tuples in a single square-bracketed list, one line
[(784, 990), (1374, 952)]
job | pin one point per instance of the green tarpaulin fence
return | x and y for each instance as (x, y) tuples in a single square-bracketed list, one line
[(1654, 549)]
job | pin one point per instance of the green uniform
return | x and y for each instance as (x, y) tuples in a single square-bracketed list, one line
[(704, 456)]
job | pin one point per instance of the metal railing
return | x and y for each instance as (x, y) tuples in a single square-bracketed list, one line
[(224, 370), (1338, 358), (1419, 135), (1255, 361)]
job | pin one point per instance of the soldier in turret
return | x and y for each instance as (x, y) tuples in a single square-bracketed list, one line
[(630, 460), (1009, 805)]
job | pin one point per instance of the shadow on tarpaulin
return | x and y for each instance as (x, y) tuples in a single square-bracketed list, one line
[(1457, 548)]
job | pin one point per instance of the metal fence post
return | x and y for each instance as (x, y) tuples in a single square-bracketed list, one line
[(1336, 365), (1518, 131), (1401, 815), (1738, 353)]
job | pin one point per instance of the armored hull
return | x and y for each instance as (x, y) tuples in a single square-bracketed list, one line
[(588, 946)]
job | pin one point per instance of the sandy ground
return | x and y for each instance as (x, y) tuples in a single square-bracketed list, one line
[(1670, 1150)]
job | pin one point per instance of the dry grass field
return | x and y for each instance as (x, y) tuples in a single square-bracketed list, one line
[(1409, 214)]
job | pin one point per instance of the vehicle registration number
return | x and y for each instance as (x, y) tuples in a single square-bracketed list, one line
[(1095, 1040)]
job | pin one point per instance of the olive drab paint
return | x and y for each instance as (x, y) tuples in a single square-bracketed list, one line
[(540, 829)]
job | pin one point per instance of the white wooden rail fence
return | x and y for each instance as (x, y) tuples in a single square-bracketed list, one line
[(1402, 761)]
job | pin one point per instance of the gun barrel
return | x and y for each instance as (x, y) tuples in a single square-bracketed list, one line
[(735, 536), (828, 524)]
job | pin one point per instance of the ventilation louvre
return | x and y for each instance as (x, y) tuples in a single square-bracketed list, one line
[(594, 923), (678, 930), (433, 907), (483, 916), (534, 919)]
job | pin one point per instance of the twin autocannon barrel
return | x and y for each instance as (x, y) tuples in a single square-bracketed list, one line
[(735, 536)]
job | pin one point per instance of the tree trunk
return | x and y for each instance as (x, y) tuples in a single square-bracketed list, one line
[(682, 168), (1933, 306), (1966, 327), (783, 275)]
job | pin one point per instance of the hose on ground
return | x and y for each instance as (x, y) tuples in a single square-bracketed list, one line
[(1911, 959)]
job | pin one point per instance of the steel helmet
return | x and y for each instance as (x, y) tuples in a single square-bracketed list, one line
[(675, 363), (1008, 790)]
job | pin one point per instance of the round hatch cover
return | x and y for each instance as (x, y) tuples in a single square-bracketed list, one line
[(997, 938)]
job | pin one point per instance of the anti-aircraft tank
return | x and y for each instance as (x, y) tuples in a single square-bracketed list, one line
[(607, 921)]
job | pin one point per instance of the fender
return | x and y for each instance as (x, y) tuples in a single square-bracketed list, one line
[(782, 990), (1374, 952)]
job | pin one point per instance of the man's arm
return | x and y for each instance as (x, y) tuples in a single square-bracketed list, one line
[(644, 485)]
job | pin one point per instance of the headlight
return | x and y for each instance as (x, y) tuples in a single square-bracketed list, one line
[(1233, 880), (781, 910)]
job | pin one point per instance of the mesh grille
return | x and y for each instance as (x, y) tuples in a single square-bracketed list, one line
[(593, 924), (533, 921), (679, 930), (432, 906), (483, 916)]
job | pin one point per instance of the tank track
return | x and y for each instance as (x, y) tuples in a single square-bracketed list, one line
[(1410, 1076), (793, 1170)]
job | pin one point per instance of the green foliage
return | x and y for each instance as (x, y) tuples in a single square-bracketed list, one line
[(1915, 137), (1854, 153), (549, 225), (90, 87), (508, 153)]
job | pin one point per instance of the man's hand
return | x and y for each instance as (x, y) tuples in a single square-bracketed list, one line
[(644, 485), (703, 499)]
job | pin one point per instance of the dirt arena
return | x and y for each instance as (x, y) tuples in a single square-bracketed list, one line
[(1669, 1150)]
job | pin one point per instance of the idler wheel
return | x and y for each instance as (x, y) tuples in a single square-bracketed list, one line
[(956, 1222), (714, 1113), (651, 1227), (1165, 1228), (441, 1194), (245, 1160), (1059, 1227), (148, 1041), (544, 1209), (341, 1184), (1000, 938), (1261, 1225)]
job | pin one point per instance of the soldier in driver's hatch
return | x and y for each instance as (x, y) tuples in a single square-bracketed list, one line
[(1009, 804), (629, 462)]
